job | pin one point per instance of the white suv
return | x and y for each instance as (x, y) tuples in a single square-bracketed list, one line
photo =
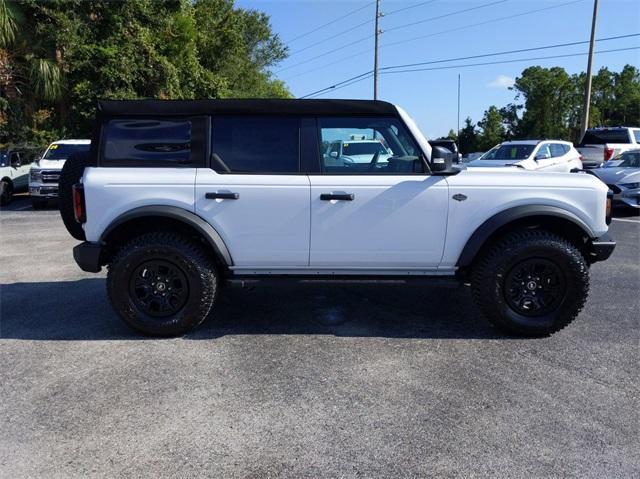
[(43, 177), (536, 155), (176, 197)]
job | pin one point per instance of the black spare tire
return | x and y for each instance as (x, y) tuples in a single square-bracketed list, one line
[(72, 171)]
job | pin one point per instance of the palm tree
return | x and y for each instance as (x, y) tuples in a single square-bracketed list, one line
[(26, 68)]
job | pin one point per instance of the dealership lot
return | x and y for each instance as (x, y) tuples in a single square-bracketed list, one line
[(333, 380)]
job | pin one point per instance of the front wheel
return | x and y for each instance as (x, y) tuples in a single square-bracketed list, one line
[(162, 284), (6, 192), (531, 283)]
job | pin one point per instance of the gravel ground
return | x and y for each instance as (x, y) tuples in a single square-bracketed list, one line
[(309, 380)]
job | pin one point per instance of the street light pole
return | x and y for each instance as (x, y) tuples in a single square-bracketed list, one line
[(584, 124), (458, 110), (375, 54)]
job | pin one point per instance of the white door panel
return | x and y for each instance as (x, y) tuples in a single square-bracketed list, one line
[(392, 222), (267, 225)]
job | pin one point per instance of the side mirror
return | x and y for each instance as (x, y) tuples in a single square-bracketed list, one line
[(333, 154), (441, 160), (16, 164), (542, 156)]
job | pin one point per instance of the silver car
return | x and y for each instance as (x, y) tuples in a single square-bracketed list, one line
[(622, 176)]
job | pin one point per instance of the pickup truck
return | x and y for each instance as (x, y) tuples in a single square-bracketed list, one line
[(599, 145)]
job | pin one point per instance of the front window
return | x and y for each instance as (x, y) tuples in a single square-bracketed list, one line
[(509, 152), (4, 158), (369, 146), (62, 151)]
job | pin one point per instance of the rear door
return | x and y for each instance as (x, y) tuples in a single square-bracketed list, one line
[(253, 193), (385, 215)]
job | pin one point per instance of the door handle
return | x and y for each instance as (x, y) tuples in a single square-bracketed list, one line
[(337, 196), (221, 196)]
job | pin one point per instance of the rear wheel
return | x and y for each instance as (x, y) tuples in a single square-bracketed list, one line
[(6, 192), (531, 283), (162, 284)]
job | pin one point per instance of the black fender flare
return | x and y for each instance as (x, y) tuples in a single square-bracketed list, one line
[(179, 214), (491, 225)]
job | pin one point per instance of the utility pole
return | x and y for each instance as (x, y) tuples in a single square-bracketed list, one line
[(587, 87), (375, 54), (458, 139)]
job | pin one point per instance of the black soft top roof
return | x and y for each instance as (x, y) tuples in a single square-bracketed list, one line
[(311, 107)]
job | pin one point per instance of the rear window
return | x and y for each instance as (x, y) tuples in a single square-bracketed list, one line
[(62, 151), (255, 145), (602, 137), (148, 142)]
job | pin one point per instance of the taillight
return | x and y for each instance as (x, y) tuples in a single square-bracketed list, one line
[(608, 153), (609, 207), (78, 203)]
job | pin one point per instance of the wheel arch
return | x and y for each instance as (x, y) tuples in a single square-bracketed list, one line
[(161, 217), (551, 218)]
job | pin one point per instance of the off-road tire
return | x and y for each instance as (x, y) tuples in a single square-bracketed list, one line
[(6, 192), (192, 262), (490, 281), (38, 203), (71, 173)]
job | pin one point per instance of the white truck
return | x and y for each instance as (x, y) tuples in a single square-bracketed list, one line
[(176, 197), (599, 145), (44, 175)]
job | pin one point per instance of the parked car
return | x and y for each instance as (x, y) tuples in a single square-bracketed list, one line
[(622, 176), (599, 145), (340, 152), (44, 175), (535, 155), (14, 172), (450, 145), (184, 195)]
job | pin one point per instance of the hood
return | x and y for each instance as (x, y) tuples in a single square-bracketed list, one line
[(54, 164), (493, 163), (612, 176)]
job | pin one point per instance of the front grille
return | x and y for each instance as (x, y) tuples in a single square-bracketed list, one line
[(615, 189), (50, 176)]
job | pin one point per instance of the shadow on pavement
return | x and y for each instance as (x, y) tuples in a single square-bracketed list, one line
[(79, 310), (22, 202)]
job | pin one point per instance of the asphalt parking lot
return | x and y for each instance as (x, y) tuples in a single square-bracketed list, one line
[(340, 380)]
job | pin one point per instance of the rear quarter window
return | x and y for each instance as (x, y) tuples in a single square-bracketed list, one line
[(148, 142)]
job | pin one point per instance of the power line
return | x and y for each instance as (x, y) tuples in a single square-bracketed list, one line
[(368, 37), (430, 62), (444, 16), (370, 74), (332, 37), (521, 50), (391, 69), (340, 18), (392, 12), (448, 30), (499, 62)]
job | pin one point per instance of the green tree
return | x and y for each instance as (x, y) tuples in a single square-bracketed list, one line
[(492, 129), (72, 52), (468, 140)]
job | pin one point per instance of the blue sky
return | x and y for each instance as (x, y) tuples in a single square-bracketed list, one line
[(345, 48)]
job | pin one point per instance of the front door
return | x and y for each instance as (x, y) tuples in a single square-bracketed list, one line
[(253, 193), (386, 214)]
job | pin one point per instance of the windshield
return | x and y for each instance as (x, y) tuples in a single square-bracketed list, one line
[(4, 158), (625, 160), (353, 149), (509, 152), (62, 151)]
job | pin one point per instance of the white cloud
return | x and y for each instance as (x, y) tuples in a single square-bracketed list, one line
[(502, 81)]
